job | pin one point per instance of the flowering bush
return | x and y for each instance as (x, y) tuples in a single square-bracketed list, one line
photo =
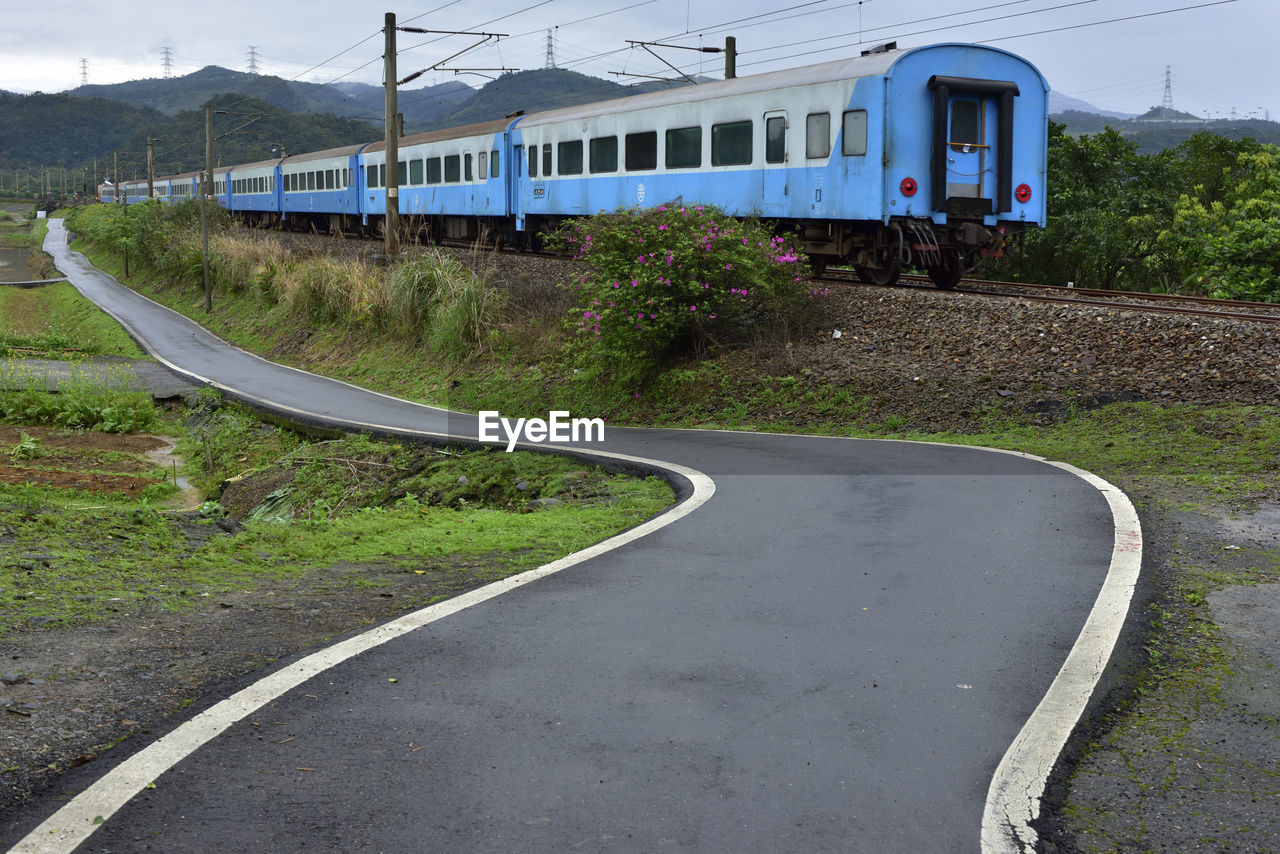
[(668, 280)]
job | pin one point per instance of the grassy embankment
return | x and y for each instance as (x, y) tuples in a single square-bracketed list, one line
[(382, 511)]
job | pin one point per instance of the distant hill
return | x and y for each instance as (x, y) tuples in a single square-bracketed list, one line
[(192, 91), (73, 128), (1060, 103), (50, 130), (532, 91), (1168, 114), (1152, 133)]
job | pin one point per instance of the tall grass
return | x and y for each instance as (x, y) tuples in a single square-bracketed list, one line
[(436, 297), (429, 297)]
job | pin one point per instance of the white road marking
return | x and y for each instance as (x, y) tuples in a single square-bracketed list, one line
[(1013, 799)]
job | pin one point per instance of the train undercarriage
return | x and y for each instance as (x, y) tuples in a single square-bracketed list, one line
[(880, 252)]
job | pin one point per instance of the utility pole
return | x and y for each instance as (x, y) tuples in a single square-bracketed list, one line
[(206, 188), (151, 170), (730, 57), (116, 188), (391, 222)]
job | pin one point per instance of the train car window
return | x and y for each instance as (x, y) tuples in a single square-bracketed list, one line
[(604, 155), (546, 160), (402, 173), (493, 164), (817, 135), (533, 161), (329, 182), (731, 144), (371, 176), (311, 181), (569, 158), (452, 169), (482, 167), (466, 166), (854, 133), (415, 172), (965, 125), (433, 170), (382, 174), (775, 139), (642, 151), (684, 148)]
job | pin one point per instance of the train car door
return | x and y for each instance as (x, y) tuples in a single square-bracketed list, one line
[(468, 182), (775, 190), (971, 149), (515, 171), (972, 161)]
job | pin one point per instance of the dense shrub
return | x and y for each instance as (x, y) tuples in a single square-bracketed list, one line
[(673, 280)]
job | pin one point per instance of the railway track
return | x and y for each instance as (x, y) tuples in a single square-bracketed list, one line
[(1253, 312)]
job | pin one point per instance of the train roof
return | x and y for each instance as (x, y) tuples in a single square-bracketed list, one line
[(479, 129), (256, 164), (340, 151), (868, 65)]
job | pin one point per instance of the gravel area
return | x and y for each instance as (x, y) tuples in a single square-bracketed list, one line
[(937, 361)]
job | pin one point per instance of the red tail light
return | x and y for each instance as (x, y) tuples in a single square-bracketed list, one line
[(909, 186), (1023, 193)]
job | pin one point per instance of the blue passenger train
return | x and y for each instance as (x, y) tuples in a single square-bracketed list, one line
[(930, 157)]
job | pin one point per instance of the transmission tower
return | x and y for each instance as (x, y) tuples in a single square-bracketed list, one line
[(253, 60), (84, 72), (168, 61), (1168, 89), (551, 50)]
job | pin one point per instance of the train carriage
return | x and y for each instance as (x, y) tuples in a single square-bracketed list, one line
[(929, 156), (322, 190), (452, 183), (253, 191)]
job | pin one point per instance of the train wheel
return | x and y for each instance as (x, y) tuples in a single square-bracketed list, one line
[(884, 275), (946, 276), (817, 266)]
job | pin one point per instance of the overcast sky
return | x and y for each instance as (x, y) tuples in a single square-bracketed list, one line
[(1223, 55)]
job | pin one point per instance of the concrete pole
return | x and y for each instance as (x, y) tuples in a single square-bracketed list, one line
[(151, 170), (392, 148), (730, 57), (206, 189)]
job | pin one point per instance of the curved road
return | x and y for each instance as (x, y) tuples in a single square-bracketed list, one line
[(829, 645)]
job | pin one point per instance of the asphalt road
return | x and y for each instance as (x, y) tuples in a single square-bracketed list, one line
[(830, 645)]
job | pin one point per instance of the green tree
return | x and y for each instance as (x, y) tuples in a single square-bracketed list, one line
[(1230, 245)]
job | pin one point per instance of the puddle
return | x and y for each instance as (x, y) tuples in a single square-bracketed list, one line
[(187, 497), (13, 264)]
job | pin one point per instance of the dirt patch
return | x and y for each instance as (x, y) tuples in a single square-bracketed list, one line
[(85, 460)]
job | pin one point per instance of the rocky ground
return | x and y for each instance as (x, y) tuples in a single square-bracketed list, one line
[(935, 361)]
